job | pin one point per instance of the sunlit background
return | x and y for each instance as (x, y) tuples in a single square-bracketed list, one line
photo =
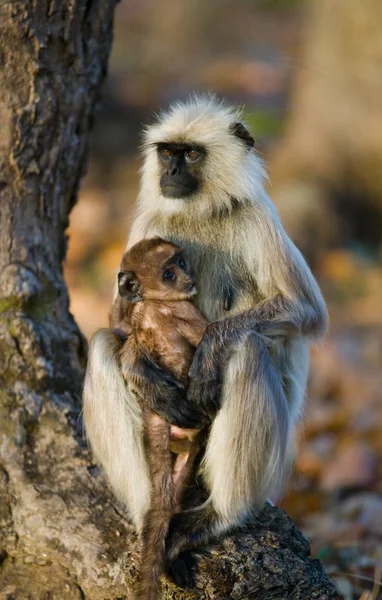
[(309, 74)]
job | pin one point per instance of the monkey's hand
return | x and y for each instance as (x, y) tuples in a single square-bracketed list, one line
[(206, 372), (167, 397)]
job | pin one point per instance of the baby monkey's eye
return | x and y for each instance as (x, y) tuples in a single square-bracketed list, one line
[(169, 276), (182, 263), (166, 155), (193, 155)]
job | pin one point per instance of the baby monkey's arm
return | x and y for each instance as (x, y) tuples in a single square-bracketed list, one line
[(190, 322)]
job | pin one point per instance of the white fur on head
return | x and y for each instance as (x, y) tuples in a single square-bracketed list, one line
[(230, 170)]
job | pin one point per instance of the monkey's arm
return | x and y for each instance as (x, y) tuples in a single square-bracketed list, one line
[(190, 323), (292, 304), (296, 308), (275, 317), (193, 332)]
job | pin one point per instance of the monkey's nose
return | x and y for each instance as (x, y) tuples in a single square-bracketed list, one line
[(174, 171)]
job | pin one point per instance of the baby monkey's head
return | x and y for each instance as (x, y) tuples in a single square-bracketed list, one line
[(155, 269)]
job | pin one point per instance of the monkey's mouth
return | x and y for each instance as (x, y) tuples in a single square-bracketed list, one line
[(178, 188), (192, 289), (176, 192)]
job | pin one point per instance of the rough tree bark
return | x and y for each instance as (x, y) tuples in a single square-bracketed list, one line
[(62, 534)]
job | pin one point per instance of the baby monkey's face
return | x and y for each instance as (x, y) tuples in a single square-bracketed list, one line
[(155, 270)]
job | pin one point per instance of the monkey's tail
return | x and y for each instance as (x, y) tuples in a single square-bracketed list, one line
[(157, 519)]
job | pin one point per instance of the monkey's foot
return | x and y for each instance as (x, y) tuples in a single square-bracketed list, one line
[(182, 570), (190, 530)]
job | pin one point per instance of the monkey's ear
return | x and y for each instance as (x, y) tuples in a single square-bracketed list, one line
[(128, 286), (243, 134)]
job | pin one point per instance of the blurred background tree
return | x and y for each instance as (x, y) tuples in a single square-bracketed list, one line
[(309, 74), (327, 169)]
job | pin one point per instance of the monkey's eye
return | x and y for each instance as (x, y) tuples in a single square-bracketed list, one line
[(182, 263), (192, 155), (166, 155), (130, 286), (169, 276)]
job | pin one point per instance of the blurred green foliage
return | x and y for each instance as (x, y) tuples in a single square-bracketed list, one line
[(265, 122)]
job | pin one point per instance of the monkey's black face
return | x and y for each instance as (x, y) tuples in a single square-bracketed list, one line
[(177, 275), (180, 169)]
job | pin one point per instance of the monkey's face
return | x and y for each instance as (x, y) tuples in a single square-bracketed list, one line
[(176, 279), (198, 160), (180, 169), (155, 270)]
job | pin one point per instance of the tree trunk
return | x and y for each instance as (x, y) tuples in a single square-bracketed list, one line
[(326, 173), (62, 534), (54, 57)]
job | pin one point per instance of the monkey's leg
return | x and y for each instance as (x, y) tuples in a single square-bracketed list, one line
[(245, 454), (168, 482), (157, 518), (114, 426), (182, 472)]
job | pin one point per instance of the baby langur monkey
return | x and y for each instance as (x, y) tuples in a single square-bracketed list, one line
[(162, 327)]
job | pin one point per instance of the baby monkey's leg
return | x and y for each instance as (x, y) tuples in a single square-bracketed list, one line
[(185, 443), (157, 518), (167, 484)]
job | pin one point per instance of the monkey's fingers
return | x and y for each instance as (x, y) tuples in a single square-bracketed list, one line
[(206, 395)]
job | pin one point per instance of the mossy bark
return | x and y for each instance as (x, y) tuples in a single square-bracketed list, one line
[(62, 534)]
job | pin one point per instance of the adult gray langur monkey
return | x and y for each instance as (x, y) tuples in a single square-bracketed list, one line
[(203, 189)]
